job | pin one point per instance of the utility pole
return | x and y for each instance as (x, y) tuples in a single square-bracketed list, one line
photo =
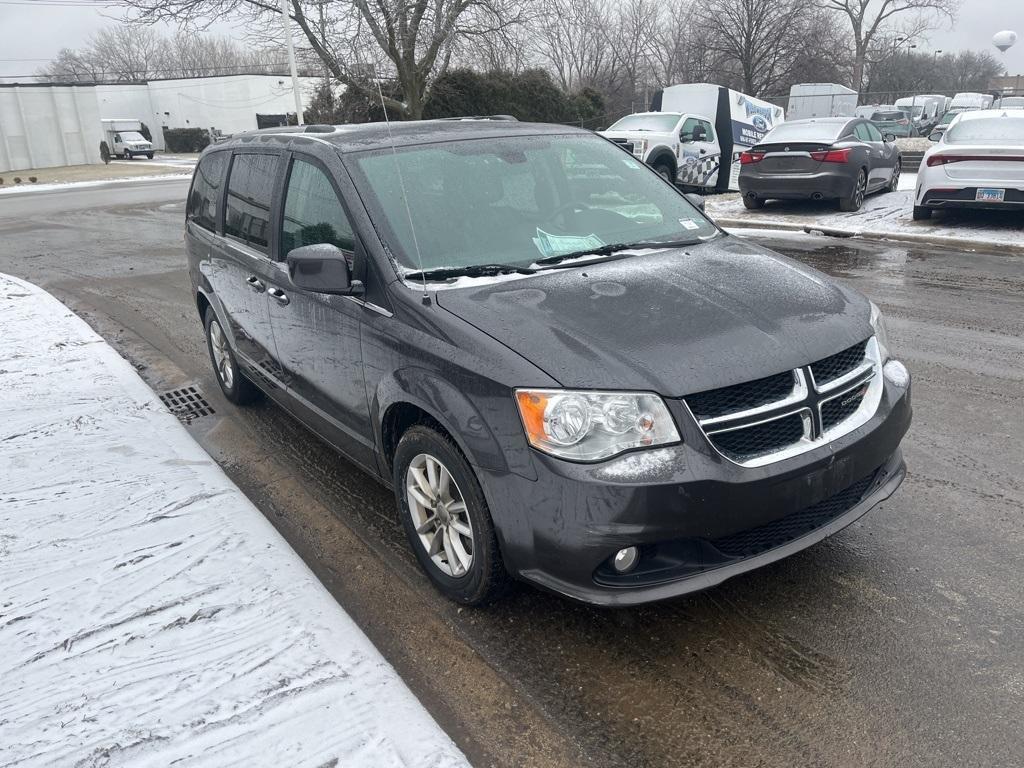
[(285, 20)]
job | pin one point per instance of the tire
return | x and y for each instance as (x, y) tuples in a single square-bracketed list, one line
[(921, 213), (894, 182), (236, 388), (128, 155), (149, 155), (752, 202), (856, 198), (664, 170), (484, 579)]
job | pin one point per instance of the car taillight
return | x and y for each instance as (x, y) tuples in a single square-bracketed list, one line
[(832, 156), (947, 159), (904, 121), (748, 158)]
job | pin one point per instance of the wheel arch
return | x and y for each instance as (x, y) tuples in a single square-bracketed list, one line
[(659, 154)]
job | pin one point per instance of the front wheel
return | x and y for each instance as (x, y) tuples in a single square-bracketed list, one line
[(128, 155), (921, 213), (664, 170), (856, 198), (894, 182), (149, 155), (446, 518)]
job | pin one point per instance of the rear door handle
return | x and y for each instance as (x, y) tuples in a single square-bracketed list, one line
[(278, 295), (256, 284)]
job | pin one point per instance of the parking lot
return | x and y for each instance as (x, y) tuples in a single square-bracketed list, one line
[(896, 642)]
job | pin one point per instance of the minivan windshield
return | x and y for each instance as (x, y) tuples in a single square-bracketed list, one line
[(521, 201), (663, 122)]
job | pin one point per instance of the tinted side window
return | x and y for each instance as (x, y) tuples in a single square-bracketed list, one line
[(202, 202), (312, 211), (861, 132), (247, 212), (873, 133)]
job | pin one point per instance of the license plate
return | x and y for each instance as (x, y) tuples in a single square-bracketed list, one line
[(985, 195)]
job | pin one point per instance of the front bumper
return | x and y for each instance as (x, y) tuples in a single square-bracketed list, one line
[(794, 186), (697, 518)]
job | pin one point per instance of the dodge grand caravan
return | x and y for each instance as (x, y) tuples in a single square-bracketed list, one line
[(565, 371)]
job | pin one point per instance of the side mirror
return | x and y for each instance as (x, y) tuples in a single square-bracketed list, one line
[(322, 268), (934, 136), (697, 201), (685, 138), (890, 137)]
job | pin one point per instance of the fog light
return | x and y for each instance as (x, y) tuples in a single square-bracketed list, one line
[(897, 373), (625, 560)]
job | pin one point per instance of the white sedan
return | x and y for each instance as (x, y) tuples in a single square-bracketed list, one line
[(977, 163)]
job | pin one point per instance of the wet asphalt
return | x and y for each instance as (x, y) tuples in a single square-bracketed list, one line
[(898, 642)]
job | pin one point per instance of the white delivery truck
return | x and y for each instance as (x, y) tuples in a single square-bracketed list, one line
[(695, 133), (968, 101), (124, 138), (808, 100)]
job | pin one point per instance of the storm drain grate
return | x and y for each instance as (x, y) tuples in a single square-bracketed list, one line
[(187, 404)]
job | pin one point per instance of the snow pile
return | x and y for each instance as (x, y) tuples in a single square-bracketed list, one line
[(887, 216), (149, 614)]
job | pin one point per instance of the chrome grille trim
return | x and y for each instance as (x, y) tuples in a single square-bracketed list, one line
[(806, 399)]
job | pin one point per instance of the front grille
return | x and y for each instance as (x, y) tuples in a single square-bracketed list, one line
[(839, 364), (741, 397), (763, 538), (760, 439), (841, 408)]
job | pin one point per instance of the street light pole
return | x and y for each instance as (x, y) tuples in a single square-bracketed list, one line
[(291, 61)]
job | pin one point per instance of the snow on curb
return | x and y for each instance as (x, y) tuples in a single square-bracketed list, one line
[(19, 188), (149, 613), (883, 217)]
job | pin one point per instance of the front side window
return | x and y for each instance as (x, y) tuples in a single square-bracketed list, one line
[(312, 211), (695, 130), (205, 194), (512, 201), (247, 210)]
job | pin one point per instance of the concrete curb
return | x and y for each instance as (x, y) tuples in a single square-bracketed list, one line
[(906, 237)]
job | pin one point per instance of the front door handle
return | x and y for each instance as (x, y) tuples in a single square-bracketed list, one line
[(255, 283), (278, 295)]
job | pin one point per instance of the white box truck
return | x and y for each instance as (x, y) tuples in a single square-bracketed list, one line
[(808, 100), (695, 133), (124, 139)]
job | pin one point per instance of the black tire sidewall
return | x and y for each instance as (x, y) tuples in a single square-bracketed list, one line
[(664, 170), (486, 573)]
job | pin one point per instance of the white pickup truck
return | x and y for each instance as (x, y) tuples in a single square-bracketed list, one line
[(696, 133)]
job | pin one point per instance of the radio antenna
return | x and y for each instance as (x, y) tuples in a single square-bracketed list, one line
[(405, 195)]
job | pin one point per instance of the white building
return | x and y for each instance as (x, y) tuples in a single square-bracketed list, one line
[(50, 124)]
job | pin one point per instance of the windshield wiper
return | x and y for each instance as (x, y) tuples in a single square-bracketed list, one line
[(612, 249), (470, 270)]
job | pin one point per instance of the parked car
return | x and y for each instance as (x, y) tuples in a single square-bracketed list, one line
[(894, 121), (838, 158), (977, 163), (1011, 102), (944, 122), (563, 369)]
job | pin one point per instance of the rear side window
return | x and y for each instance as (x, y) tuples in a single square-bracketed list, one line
[(202, 202), (247, 211), (312, 211)]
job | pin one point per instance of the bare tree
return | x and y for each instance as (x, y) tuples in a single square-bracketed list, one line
[(410, 41), (870, 19), (571, 38)]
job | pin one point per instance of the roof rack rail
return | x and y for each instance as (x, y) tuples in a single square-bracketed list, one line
[(511, 118)]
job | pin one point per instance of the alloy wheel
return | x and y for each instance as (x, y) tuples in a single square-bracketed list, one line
[(896, 177), (861, 187), (440, 515), (221, 355)]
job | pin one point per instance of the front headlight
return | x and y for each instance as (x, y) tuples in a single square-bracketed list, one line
[(588, 426), (881, 334)]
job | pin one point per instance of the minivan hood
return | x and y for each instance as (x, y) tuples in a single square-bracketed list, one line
[(675, 322)]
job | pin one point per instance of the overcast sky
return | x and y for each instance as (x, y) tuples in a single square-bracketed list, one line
[(33, 31)]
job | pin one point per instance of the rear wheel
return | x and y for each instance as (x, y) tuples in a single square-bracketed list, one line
[(856, 198), (664, 170), (894, 182), (149, 155), (446, 518), (753, 202), (236, 388), (922, 213)]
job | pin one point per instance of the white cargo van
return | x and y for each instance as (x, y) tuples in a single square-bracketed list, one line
[(967, 100), (924, 110), (124, 138), (807, 100), (695, 133)]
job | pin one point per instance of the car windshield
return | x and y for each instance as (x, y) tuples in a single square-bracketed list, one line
[(132, 136), (888, 117), (519, 200), (987, 130), (805, 131), (917, 110), (663, 122)]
